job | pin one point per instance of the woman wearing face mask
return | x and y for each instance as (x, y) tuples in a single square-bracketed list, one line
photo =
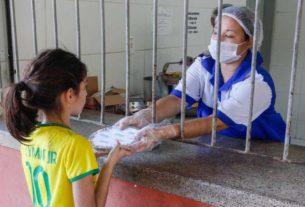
[(234, 90)]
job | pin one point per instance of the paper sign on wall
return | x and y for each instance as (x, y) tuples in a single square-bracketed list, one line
[(193, 22), (165, 21)]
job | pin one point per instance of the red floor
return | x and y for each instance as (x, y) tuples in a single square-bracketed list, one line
[(13, 190), (126, 193)]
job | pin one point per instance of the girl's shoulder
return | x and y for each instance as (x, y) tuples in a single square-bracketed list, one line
[(57, 135)]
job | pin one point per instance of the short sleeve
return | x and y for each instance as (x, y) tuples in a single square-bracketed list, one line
[(235, 109), (80, 159), (194, 83)]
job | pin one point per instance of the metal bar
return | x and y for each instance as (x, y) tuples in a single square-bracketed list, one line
[(127, 79), (253, 69), (9, 41), (85, 120), (15, 44), (78, 43), (33, 7), (154, 63), (1, 75), (103, 63), (55, 24), (183, 98), (1, 84), (1, 49), (216, 80), (292, 78)]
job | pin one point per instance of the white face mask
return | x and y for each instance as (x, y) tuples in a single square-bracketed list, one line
[(228, 51)]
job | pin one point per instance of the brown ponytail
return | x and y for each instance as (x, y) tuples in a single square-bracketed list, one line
[(45, 79), (20, 117)]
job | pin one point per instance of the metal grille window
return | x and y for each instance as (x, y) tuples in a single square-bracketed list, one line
[(154, 60)]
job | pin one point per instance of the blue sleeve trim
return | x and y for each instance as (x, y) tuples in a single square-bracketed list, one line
[(225, 119), (189, 99)]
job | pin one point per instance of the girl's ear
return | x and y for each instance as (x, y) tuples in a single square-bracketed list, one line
[(68, 96)]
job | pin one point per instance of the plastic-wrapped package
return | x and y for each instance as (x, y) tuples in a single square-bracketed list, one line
[(105, 139), (131, 138)]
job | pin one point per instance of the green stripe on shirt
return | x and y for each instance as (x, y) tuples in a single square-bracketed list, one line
[(91, 172)]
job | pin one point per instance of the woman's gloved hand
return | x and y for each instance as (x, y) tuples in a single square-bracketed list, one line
[(145, 140), (140, 119), (150, 136)]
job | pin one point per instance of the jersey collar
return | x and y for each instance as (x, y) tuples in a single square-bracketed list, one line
[(52, 124)]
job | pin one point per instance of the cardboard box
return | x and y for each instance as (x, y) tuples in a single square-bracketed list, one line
[(92, 85), (113, 96)]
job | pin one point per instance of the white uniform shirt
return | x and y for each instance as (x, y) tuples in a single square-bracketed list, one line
[(234, 98)]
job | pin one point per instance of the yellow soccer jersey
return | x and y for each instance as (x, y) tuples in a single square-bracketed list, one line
[(53, 159)]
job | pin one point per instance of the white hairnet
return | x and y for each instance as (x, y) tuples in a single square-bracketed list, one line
[(245, 18), (215, 10)]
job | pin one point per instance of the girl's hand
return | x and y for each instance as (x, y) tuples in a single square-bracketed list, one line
[(99, 153), (117, 153)]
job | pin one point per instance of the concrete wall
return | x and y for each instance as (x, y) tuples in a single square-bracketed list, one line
[(280, 66)]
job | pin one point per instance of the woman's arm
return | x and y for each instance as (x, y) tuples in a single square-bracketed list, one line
[(192, 128), (148, 137), (201, 126), (167, 107)]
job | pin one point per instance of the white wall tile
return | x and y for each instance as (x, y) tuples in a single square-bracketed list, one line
[(281, 52), (24, 29), (300, 130), (284, 25), (3, 43), (286, 6), (4, 73), (115, 70), (281, 59), (301, 109)]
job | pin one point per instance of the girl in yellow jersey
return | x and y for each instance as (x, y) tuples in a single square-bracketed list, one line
[(59, 164)]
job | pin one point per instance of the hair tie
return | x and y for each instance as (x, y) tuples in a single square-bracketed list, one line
[(21, 86)]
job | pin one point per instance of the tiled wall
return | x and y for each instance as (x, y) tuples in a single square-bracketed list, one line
[(280, 67)]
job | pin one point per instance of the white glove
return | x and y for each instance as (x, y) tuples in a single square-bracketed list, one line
[(149, 137), (138, 120)]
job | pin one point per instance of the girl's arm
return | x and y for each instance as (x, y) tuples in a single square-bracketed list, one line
[(86, 194)]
